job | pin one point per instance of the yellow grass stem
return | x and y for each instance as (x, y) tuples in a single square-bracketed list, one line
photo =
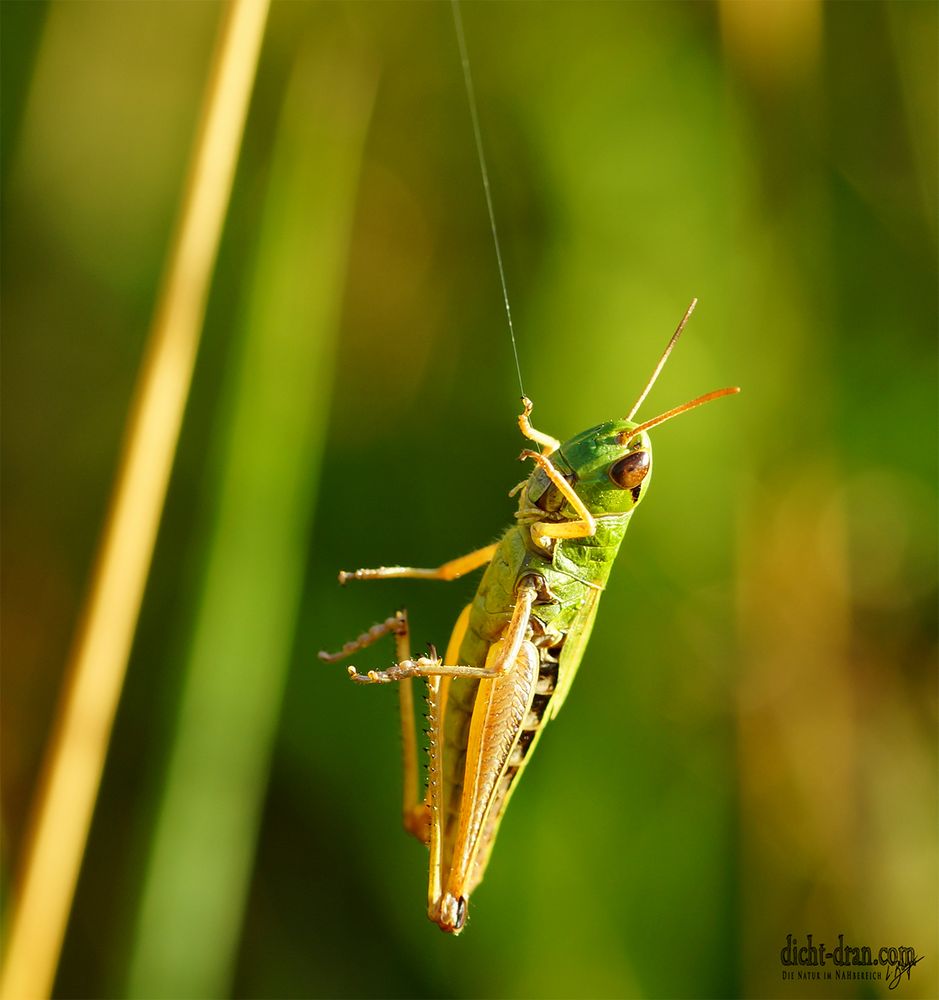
[(95, 674), (260, 494)]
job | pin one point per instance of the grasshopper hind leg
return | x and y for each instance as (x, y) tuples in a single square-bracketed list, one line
[(501, 705), (421, 816), (415, 811)]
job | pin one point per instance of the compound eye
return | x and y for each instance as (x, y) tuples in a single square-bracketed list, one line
[(630, 471)]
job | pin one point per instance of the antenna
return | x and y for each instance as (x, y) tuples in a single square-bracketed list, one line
[(626, 436), (663, 359)]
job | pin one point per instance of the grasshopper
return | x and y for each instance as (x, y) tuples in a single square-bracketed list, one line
[(515, 649)]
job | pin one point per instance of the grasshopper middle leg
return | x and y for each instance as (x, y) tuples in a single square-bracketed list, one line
[(416, 812), (450, 570)]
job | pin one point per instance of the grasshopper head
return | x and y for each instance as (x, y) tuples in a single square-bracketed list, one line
[(611, 466)]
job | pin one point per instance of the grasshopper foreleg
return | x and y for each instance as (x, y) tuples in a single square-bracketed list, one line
[(543, 531), (583, 527), (548, 443)]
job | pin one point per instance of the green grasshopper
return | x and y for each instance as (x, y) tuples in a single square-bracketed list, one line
[(514, 651)]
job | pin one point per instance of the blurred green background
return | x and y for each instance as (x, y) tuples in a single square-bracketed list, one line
[(750, 748)]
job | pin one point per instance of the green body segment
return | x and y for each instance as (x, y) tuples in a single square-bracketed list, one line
[(570, 576)]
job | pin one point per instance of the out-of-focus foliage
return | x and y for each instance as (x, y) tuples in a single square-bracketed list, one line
[(750, 748)]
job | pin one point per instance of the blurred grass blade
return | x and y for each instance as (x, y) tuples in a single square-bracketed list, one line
[(95, 675), (273, 432)]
